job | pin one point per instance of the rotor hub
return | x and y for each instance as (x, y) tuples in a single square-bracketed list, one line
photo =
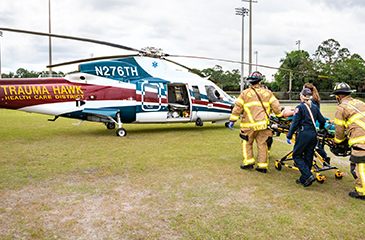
[(152, 52)]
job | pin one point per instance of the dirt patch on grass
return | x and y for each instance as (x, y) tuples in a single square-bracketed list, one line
[(72, 211)]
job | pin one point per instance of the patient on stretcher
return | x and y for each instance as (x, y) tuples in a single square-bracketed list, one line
[(288, 113)]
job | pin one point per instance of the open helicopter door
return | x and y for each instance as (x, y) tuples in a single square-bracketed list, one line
[(179, 103)]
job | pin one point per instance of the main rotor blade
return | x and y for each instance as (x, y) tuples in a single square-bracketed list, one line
[(72, 38), (89, 60), (253, 64), (190, 69)]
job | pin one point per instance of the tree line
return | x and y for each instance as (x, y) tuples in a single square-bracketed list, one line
[(24, 73), (328, 65)]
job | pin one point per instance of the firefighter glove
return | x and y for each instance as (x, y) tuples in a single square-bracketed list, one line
[(230, 125), (288, 141)]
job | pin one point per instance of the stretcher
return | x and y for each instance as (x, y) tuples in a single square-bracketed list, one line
[(324, 137)]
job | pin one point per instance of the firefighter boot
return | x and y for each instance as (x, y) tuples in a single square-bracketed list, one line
[(355, 194), (247, 167), (262, 170)]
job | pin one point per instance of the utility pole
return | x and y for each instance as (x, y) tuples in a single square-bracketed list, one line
[(50, 42), (242, 12), (1, 35), (250, 36)]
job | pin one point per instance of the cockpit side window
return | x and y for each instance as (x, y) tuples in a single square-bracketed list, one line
[(196, 93), (213, 94)]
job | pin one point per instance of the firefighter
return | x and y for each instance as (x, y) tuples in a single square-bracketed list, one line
[(350, 120), (305, 116), (255, 103)]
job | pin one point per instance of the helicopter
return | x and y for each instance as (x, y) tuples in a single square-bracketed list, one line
[(141, 88), (146, 87)]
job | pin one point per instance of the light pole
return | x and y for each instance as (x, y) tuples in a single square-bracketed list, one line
[(298, 43), (1, 35), (257, 56), (250, 36), (50, 42), (242, 12)]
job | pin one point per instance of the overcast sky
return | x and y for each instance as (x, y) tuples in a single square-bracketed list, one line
[(207, 28)]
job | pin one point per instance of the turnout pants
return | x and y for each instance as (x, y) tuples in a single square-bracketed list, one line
[(263, 141), (359, 170), (357, 165)]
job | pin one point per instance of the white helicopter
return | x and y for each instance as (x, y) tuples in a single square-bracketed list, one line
[(141, 88)]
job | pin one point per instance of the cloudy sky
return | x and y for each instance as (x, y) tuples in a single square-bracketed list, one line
[(207, 28)]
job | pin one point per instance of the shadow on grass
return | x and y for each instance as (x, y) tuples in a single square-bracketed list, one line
[(142, 129)]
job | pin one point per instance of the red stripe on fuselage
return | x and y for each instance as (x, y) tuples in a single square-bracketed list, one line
[(19, 93), (215, 104)]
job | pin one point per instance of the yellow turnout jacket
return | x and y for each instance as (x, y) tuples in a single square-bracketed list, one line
[(250, 106)]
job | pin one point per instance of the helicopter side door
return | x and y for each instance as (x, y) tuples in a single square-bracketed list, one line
[(152, 107)]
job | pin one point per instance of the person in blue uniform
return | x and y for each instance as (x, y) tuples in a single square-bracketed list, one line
[(305, 116), (316, 99)]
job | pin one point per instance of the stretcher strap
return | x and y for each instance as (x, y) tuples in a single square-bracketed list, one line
[(310, 113)]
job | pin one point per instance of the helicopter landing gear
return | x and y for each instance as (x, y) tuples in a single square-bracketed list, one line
[(199, 122), (110, 125), (121, 132)]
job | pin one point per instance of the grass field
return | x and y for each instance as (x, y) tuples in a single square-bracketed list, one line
[(178, 181)]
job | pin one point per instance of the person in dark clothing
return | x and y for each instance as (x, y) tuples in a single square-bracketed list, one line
[(316, 99), (305, 115)]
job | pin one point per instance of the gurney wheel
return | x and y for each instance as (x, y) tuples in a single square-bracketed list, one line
[(320, 178), (277, 165), (339, 175)]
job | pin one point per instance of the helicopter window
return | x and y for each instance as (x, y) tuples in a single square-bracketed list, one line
[(151, 93), (178, 94), (213, 94), (196, 93)]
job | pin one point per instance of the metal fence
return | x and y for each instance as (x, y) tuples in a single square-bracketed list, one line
[(296, 95)]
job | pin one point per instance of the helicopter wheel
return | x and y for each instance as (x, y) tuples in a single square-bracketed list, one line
[(110, 125), (121, 132), (199, 122)]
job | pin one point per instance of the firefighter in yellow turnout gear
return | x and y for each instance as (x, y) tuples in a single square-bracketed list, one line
[(256, 104), (350, 117)]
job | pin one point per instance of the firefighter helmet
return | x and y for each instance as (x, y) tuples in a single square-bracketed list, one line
[(255, 77), (341, 89)]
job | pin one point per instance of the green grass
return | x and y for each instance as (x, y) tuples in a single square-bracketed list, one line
[(178, 181)]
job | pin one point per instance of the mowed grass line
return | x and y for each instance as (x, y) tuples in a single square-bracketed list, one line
[(178, 181)]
